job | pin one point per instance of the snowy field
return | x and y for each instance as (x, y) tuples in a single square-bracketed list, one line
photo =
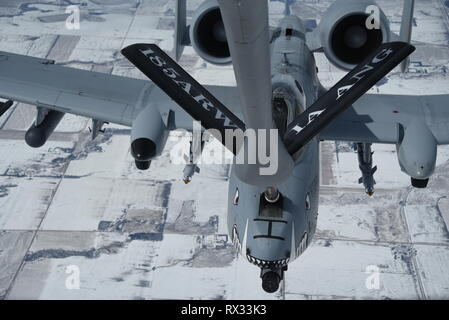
[(146, 235)]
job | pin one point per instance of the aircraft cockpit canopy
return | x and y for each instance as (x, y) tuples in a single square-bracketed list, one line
[(286, 107)]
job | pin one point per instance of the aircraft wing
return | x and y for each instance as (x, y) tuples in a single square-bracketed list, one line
[(90, 94), (379, 118)]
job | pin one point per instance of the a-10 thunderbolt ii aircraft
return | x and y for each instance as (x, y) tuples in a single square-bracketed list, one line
[(271, 217)]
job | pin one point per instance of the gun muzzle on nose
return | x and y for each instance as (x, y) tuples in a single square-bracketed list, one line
[(271, 280)]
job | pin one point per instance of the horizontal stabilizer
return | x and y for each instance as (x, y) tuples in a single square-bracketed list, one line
[(182, 88), (347, 91)]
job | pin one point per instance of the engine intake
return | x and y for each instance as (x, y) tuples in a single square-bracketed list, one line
[(207, 34), (345, 36), (351, 41)]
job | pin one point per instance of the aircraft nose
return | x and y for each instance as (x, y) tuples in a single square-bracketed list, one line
[(269, 244), (268, 264)]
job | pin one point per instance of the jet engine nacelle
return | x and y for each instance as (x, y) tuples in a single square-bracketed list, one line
[(417, 153), (344, 33), (207, 34), (148, 136)]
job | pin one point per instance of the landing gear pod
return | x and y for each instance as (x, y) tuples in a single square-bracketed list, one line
[(143, 165), (420, 183), (148, 137), (37, 135), (417, 153), (143, 149)]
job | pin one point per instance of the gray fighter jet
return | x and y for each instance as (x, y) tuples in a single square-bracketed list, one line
[(271, 217)]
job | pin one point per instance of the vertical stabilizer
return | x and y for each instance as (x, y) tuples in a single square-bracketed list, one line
[(181, 29), (287, 11), (406, 28)]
